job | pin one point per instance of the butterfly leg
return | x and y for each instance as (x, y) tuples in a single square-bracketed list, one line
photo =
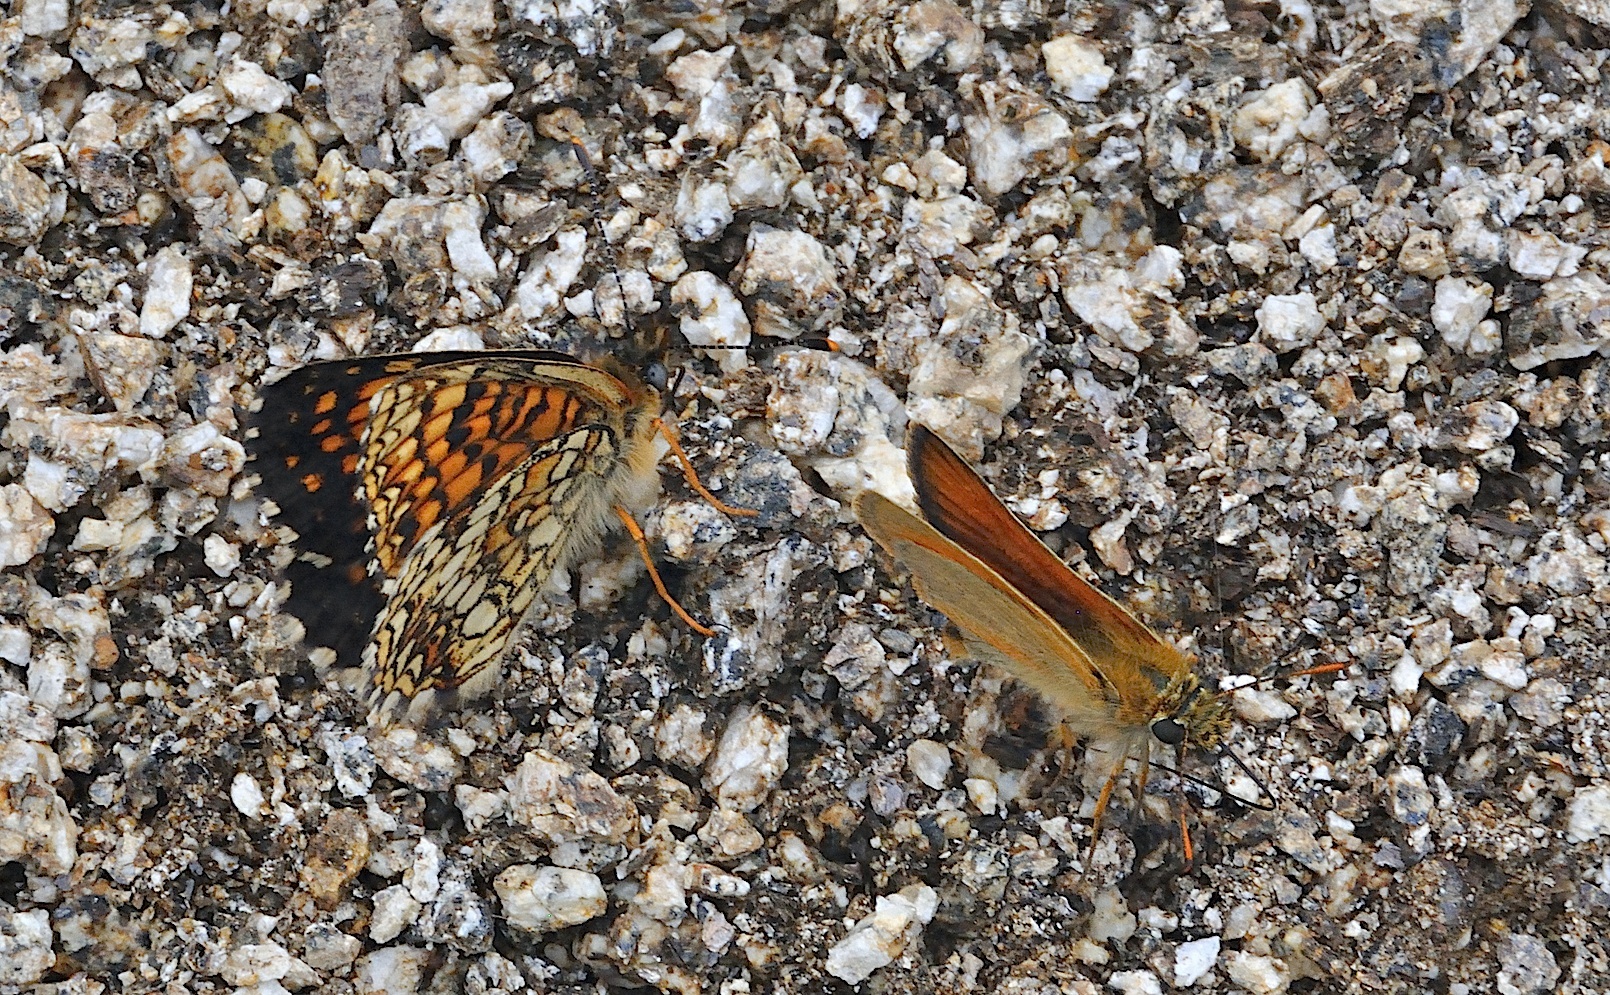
[(1182, 812), (636, 532), (692, 476), (1102, 800), (1061, 742)]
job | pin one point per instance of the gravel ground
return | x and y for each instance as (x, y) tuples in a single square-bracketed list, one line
[(1286, 323)]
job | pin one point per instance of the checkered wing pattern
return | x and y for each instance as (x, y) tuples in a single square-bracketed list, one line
[(462, 591), (436, 493)]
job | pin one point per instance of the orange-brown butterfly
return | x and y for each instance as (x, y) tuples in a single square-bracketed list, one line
[(434, 494), (1018, 606)]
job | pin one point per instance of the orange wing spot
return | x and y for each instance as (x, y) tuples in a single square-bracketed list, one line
[(313, 483), (356, 573), (449, 399), (427, 513), (452, 466), (369, 390), (436, 450), (326, 402), (424, 486), (322, 426), (402, 463), (460, 488), (332, 443), (546, 425), (408, 473), (349, 464), (292, 461), (438, 426)]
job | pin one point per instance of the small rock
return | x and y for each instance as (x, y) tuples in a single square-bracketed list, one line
[(221, 556), (876, 941), (25, 526), (399, 970), (564, 803), (326, 948), (791, 282), (1076, 66), (257, 963), (210, 188), (334, 856), (1433, 738), (680, 737), (1460, 306), (394, 911), (351, 762), (1257, 974), (1268, 121), (929, 762), (361, 84), (730, 835), (25, 946), (1013, 135), (253, 90), (1194, 959), (1423, 255), (1589, 815), (712, 316), (1135, 983), (1566, 322), (971, 372), (27, 209), (545, 899), (416, 760), (1408, 798), (247, 795), (1288, 322), (1526, 966), (464, 22), (939, 30), (749, 760)]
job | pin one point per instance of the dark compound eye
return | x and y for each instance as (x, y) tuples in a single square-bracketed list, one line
[(1169, 731)]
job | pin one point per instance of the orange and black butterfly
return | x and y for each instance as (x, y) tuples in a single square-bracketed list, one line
[(1018, 606), (434, 494)]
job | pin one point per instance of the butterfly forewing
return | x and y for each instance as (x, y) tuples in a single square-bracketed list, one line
[(438, 439), (992, 613), (957, 502)]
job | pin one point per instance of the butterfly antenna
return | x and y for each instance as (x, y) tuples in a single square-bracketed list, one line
[(1226, 751), (1323, 668), (1221, 787)]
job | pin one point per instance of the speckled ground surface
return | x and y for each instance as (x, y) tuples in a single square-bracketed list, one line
[(1287, 324)]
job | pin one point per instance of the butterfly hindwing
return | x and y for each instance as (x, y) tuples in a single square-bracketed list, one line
[(463, 591)]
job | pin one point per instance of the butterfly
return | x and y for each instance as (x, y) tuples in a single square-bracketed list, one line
[(434, 494), (1019, 607)]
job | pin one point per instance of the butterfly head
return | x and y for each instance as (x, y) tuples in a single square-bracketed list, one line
[(1186, 716)]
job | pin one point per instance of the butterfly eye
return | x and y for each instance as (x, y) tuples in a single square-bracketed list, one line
[(1169, 731)]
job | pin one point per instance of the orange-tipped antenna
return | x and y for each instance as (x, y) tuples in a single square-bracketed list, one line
[(819, 343), (1323, 668)]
